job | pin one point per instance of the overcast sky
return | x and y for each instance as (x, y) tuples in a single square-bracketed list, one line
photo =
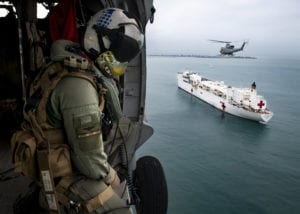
[(184, 26)]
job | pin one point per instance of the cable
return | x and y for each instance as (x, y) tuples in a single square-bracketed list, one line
[(82, 14), (114, 140)]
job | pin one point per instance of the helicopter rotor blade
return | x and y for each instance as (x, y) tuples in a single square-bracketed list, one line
[(219, 41)]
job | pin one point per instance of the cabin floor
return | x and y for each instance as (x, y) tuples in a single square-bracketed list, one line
[(11, 183)]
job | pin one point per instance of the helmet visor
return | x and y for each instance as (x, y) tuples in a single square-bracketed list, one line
[(124, 47)]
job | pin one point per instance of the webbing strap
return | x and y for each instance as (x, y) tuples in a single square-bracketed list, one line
[(98, 200), (47, 181), (35, 127), (61, 189)]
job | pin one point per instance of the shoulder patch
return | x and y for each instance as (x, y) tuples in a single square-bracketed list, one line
[(87, 125)]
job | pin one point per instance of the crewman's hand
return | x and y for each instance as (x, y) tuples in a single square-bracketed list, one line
[(112, 178)]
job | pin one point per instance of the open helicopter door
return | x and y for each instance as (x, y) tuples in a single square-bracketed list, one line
[(146, 181)]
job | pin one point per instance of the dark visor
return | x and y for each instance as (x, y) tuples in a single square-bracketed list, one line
[(123, 47)]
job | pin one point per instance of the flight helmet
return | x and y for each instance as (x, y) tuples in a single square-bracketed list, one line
[(113, 38)]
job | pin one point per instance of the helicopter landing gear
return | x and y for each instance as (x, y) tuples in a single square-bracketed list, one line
[(150, 181)]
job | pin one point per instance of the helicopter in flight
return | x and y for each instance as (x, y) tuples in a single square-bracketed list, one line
[(229, 49)]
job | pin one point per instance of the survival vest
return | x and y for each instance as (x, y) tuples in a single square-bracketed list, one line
[(40, 151)]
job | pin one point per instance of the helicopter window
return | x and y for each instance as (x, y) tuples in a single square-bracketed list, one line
[(3, 12), (6, 9), (42, 12)]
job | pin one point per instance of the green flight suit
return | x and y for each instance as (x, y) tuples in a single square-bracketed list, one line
[(74, 107)]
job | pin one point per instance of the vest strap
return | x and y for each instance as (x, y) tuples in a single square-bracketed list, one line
[(61, 189), (47, 181)]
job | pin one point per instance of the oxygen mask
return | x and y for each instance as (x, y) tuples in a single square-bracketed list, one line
[(109, 65)]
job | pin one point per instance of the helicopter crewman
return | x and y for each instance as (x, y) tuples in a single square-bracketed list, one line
[(65, 112)]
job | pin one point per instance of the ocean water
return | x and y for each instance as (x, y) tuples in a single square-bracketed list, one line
[(217, 163)]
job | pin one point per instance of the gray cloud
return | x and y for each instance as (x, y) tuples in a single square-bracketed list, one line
[(272, 26)]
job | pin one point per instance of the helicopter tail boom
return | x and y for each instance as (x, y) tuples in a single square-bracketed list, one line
[(243, 45)]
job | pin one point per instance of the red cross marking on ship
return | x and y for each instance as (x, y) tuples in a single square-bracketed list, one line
[(261, 104)]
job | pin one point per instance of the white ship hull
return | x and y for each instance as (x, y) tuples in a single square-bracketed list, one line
[(222, 101)]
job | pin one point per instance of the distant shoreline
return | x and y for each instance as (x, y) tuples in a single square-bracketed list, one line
[(203, 56)]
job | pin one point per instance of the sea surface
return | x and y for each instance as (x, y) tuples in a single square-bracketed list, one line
[(218, 163)]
